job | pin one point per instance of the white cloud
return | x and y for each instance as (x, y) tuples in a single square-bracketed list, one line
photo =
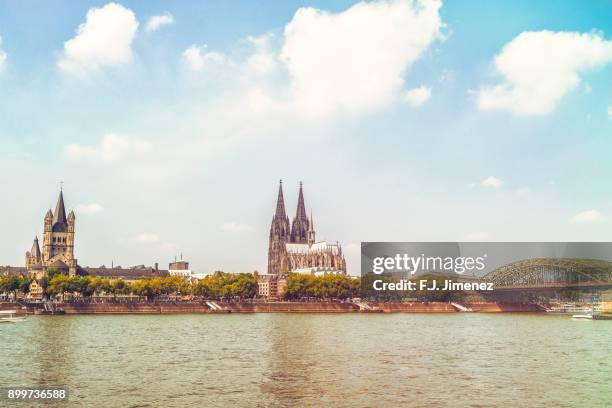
[(261, 101), (2, 56), (155, 22), (587, 217), (147, 238), (491, 181), (89, 209), (103, 40), (232, 226), (418, 96), (197, 58), (264, 59), (610, 111), (355, 60), (477, 236), (111, 148), (539, 68), (326, 63)]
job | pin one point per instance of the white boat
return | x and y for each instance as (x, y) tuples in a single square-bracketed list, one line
[(570, 308), (582, 316), (10, 316)]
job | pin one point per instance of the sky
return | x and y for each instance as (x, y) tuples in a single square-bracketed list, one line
[(170, 124)]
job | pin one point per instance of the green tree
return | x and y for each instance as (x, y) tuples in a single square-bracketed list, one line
[(244, 285), (175, 285), (58, 285), (321, 287), (74, 284), (226, 285), (149, 288), (44, 284), (24, 285), (85, 285), (204, 289), (105, 286), (51, 272), (3, 284), (10, 284), (299, 286), (120, 287)]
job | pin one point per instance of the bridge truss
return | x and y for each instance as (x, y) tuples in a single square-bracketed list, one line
[(552, 272)]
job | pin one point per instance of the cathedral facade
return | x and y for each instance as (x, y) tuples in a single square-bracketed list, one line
[(57, 245), (295, 249)]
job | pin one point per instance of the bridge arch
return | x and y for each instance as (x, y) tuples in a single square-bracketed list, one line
[(551, 272)]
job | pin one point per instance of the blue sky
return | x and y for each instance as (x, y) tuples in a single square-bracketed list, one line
[(405, 121)]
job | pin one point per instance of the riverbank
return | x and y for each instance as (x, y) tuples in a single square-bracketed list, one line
[(271, 307)]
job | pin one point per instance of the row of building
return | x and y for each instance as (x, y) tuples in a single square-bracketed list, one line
[(292, 249)]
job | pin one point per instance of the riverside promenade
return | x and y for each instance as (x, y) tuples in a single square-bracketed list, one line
[(216, 307)]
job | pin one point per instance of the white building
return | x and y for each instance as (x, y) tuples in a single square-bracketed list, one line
[(181, 268)]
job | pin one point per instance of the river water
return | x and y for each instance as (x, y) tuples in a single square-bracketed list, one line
[(322, 360)]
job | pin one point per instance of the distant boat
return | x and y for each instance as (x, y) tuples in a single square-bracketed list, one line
[(10, 316), (573, 308), (582, 316), (594, 313)]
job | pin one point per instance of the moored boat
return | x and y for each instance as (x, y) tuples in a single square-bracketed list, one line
[(10, 316), (582, 316), (567, 308)]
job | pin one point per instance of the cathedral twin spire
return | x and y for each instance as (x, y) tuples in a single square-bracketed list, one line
[(301, 232), (293, 250)]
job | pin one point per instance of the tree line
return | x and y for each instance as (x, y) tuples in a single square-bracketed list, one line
[(218, 286)]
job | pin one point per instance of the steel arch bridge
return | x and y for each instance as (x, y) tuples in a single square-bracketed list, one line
[(539, 273)]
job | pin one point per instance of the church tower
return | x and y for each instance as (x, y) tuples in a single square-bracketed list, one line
[(300, 225), (34, 256), (58, 239), (279, 236)]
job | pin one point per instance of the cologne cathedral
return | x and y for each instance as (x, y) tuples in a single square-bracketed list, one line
[(295, 249)]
